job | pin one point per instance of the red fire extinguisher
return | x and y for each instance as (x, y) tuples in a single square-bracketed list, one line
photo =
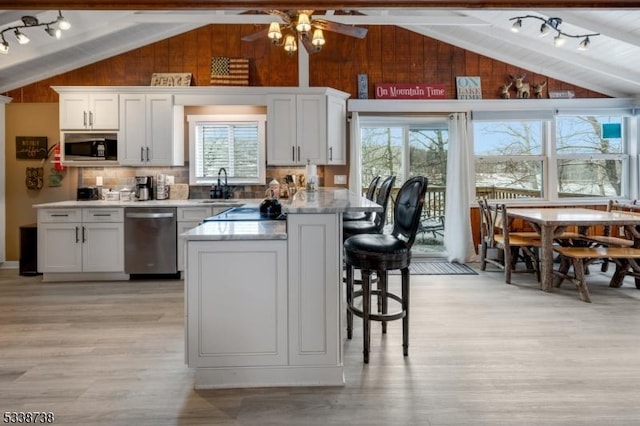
[(57, 162)]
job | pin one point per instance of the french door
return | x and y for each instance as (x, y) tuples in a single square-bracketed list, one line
[(407, 147)]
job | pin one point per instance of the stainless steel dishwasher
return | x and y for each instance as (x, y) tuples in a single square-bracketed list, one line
[(150, 242)]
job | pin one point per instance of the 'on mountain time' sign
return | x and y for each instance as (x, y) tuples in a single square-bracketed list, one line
[(410, 91)]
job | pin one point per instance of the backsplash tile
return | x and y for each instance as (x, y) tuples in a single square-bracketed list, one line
[(118, 178)]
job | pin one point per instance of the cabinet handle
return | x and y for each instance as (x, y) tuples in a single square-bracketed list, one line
[(84, 238), (90, 119), (147, 153), (101, 214), (293, 153), (141, 154), (330, 153), (84, 113), (298, 152), (77, 240), (59, 215)]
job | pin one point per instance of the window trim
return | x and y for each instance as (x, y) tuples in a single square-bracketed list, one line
[(261, 119)]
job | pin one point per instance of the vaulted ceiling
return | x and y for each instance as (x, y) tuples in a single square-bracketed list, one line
[(610, 66)]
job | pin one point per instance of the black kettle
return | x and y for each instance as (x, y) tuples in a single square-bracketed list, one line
[(270, 207)]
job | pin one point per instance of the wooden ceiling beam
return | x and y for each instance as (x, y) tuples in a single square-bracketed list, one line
[(307, 4)]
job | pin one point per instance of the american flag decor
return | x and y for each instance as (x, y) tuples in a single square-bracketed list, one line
[(229, 71)]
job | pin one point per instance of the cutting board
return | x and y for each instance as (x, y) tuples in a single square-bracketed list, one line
[(179, 191)]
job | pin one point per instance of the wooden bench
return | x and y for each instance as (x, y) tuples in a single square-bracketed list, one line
[(580, 257)]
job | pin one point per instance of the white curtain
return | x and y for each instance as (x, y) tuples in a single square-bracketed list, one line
[(355, 184), (458, 240)]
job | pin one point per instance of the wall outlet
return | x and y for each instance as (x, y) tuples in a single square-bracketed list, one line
[(98, 180), (171, 180), (340, 179)]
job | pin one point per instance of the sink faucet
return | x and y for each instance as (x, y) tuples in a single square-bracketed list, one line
[(224, 190)]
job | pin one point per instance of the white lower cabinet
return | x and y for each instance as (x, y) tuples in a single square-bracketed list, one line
[(81, 240), (237, 303)]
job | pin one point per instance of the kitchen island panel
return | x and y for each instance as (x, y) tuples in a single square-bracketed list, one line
[(237, 303), (314, 296)]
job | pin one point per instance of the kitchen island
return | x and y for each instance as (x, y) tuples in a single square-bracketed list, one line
[(262, 299)]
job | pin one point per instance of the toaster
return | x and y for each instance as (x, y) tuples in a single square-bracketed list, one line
[(88, 193)]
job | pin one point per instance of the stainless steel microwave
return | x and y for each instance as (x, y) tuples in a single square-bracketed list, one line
[(90, 147)]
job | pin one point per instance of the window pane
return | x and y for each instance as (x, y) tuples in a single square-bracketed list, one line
[(428, 154), (592, 178), (381, 153), (230, 146), (508, 138), (589, 135), (509, 179)]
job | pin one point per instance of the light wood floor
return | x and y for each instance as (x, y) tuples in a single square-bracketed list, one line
[(482, 353)]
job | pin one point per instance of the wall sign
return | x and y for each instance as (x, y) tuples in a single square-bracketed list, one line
[(410, 91), (31, 147), (468, 87), (171, 79)]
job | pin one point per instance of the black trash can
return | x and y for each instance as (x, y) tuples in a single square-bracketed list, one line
[(29, 250)]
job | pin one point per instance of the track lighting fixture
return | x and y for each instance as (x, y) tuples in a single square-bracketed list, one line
[(553, 24), (53, 28)]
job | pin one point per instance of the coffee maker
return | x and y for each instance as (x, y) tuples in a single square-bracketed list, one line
[(144, 188)]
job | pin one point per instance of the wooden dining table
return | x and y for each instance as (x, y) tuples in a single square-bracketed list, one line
[(551, 222)]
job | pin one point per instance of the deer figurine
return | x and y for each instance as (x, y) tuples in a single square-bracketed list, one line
[(522, 89), (504, 91), (537, 89)]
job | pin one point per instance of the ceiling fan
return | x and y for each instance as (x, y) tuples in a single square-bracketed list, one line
[(300, 25)]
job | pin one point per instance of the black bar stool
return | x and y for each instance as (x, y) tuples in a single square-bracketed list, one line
[(380, 253), (371, 192)]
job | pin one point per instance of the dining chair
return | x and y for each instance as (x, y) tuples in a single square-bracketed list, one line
[(612, 237), (510, 246)]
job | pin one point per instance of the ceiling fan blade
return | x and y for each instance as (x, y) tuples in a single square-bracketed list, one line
[(257, 35), (309, 47), (340, 28)]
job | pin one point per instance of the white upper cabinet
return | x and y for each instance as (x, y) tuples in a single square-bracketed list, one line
[(89, 111), (306, 126), (147, 131)]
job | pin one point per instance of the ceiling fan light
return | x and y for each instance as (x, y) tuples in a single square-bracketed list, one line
[(63, 24), (558, 41), (516, 26), (290, 44), (584, 44), (274, 32), (304, 24), (318, 38), (22, 39), (4, 47)]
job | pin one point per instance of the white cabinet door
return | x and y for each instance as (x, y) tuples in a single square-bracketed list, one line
[(89, 111), (133, 133), (237, 315), (59, 247), (336, 130), (103, 247), (314, 289), (282, 146), (311, 128), (183, 227), (103, 111), (159, 130)]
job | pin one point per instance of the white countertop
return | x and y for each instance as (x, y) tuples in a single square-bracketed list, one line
[(325, 200), (243, 230)]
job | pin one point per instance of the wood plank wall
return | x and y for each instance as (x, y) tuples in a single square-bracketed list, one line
[(387, 55)]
